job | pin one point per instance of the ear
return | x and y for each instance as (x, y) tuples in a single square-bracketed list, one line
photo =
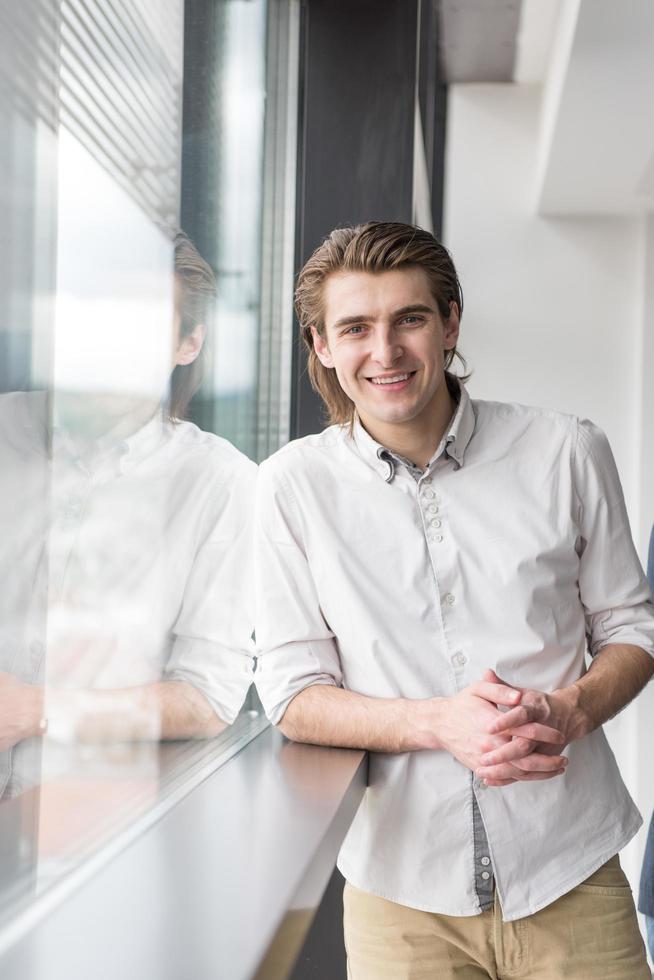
[(191, 345), (321, 348), (451, 327)]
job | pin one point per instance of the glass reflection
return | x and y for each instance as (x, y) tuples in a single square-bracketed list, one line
[(141, 550), (125, 627), (130, 529)]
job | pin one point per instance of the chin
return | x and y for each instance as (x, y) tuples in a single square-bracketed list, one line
[(395, 415)]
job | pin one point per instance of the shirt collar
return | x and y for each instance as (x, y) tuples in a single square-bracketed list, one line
[(461, 428), (454, 442)]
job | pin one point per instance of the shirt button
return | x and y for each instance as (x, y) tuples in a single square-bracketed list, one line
[(449, 599), (435, 522), (426, 479), (438, 537), (433, 508), (485, 875), (459, 659), (429, 494), (485, 861)]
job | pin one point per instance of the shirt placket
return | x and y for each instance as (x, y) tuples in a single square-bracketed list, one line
[(430, 503), (433, 518)]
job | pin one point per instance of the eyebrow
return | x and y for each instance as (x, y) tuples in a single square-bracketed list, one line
[(403, 311)]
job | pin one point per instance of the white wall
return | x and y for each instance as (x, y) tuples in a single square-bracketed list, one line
[(643, 734), (646, 354), (551, 305), (556, 314)]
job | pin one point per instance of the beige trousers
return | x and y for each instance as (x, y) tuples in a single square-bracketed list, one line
[(591, 933)]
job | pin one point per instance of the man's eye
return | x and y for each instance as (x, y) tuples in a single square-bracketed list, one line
[(357, 328), (411, 318)]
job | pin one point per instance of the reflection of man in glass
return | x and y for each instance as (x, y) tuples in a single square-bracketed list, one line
[(139, 560)]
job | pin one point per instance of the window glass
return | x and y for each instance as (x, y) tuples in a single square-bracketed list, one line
[(147, 149)]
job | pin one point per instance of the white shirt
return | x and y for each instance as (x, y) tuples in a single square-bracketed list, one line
[(512, 551), (126, 566)]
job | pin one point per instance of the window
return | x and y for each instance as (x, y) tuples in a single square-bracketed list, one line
[(146, 249)]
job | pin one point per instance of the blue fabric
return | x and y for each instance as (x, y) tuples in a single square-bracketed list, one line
[(650, 935), (646, 896)]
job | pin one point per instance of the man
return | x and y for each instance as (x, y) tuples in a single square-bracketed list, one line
[(125, 613), (430, 573)]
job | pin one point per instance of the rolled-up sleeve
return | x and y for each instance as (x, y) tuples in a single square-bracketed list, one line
[(295, 646), (212, 648), (612, 585)]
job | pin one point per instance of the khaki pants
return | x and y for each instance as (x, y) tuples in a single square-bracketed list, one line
[(589, 934)]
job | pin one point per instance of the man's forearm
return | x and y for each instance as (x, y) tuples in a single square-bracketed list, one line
[(617, 674), (162, 710), (185, 712), (327, 715)]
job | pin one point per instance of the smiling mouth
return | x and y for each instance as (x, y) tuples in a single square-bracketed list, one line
[(393, 379)]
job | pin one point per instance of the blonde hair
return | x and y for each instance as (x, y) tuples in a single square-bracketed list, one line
[(376, 246)]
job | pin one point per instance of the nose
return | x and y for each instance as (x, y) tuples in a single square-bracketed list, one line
[(387, 349)]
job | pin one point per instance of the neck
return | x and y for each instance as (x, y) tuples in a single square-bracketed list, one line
[(416, 439)]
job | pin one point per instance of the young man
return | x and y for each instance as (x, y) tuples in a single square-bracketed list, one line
[(431, 572)]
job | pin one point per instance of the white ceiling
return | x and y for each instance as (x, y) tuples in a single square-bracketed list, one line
[(496, 40), (536, 32), (477, 40), (597, 153)]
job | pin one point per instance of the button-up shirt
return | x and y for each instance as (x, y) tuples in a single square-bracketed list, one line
[(511, 551), (126, 564), (484, 881)]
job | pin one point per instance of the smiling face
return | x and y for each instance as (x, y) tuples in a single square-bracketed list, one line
[(385, 339)]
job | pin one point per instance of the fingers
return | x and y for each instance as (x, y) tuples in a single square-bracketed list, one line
[(536, 762), (518, 748), (523, 744), (492, 677), (497, 694), (534, 766), (538, 733), (510, 719), (535, 776), (524, 778)]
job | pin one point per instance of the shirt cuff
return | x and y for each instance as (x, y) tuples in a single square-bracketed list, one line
[(221, 674), (285, 671)]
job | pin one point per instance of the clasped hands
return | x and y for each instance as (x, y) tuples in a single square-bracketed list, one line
[(522, 743)]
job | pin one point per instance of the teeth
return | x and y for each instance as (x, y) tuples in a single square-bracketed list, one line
[(389, 381)]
